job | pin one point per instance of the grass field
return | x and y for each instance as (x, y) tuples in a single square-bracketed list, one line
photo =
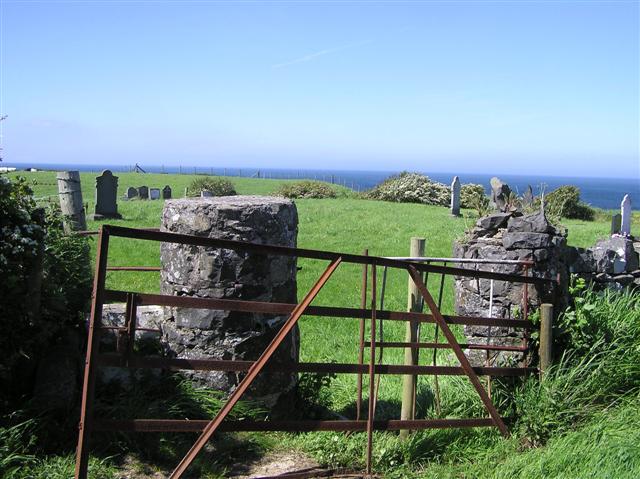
[(345, 224)]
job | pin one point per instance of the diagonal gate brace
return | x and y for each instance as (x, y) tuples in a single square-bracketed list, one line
[(464, 362), (211, 427)]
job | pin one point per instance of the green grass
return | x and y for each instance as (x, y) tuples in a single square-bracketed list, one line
[(351, 225)]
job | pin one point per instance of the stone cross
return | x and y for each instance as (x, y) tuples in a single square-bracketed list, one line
[(131, 192), (143, 192), (625, 212), (166, 193), (106, 196), (616, 221), (455, 196), (154, 193)]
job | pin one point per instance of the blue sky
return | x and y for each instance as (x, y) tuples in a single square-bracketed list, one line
[(493, 87)]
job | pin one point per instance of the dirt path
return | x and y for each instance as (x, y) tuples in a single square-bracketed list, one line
[(273, 464)]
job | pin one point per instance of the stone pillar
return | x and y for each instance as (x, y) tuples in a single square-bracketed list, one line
[(455, 196), (221, 273), (510, 236), (625, 213)]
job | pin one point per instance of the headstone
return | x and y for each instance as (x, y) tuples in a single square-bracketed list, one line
[(209, 272), (527, 198), (143, 192), (206, 194), (131, 192), (106, 196), (166, 193), (625, 212), (455, 196), (616, 222), (154, 193), (500, 193)]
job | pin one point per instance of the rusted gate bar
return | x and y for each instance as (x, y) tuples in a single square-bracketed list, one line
[(187, 425), (372, 371), (88, 389), (464, 362), (167, 237), (253, 372), (134, 268), (176, 364), (361, 345), (490, 347), (147, 299)]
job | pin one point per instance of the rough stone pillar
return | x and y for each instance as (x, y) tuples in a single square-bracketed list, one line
[(509, 236), (221, 273)]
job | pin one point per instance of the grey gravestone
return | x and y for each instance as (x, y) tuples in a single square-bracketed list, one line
[(106, 196), (154, 193), (131, 192), (625, 212), (206, 194), (455, 196), (527, 198), (616, 221), (500, 193), (166, 193), (143, 192)]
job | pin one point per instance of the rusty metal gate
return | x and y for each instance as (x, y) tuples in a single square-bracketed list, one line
[(126, 358)]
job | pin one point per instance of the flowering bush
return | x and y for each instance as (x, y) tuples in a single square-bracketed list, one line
[(306, 189), (411, 188), (216, 186), (471, 194)]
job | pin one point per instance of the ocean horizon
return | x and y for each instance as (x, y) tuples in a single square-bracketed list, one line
[(605, 193)]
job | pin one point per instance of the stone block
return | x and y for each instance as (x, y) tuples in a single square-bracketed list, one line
[(615, 255), (531, 223), (527, 240), (493, 221)]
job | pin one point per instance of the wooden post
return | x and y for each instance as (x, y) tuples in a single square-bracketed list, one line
[(546, 336), (414, 300), (71, 201)]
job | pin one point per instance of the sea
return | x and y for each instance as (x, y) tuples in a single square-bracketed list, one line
[(605, 193)]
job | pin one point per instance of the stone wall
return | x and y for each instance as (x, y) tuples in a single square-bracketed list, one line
[(220, 273), (612, 262), (508, 236)]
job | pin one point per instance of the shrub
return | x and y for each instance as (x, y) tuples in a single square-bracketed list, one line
[(217, 186), (471, 194), (306, 189), (45, 279), (411, 188), (565, 202)]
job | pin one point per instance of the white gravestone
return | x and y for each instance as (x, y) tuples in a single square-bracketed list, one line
[(206, 194), (154, 193), (625, 212), (455, 196)]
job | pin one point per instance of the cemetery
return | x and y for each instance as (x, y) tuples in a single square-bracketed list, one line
[(210, 284)]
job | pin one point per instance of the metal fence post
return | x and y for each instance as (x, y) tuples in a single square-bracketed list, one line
[(546, 336), (414, 300)]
